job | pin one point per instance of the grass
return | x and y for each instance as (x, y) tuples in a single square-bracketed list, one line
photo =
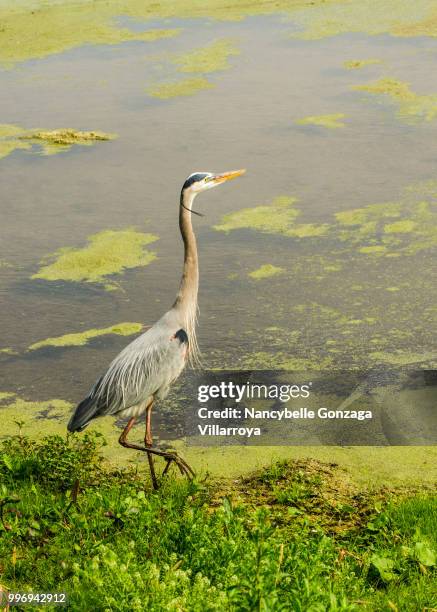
[(296, 535)]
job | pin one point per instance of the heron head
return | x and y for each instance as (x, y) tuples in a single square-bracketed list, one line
[(201, 181)]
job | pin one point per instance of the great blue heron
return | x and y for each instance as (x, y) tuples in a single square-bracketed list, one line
[(145, 369)]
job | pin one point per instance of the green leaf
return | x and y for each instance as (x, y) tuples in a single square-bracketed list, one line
[(8, 462), (384, 566), (227, 509), (425, 554)]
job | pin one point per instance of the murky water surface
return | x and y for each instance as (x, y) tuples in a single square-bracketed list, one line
[(315, 289)]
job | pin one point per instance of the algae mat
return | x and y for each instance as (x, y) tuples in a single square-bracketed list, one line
[(50, 142), (109, 252), (368, 466), (43, 29)]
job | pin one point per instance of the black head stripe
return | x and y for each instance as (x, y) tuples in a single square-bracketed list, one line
[(193, 179), (181, 335)]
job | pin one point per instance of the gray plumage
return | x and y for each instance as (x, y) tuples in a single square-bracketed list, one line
[(146, 368), (143, 370)]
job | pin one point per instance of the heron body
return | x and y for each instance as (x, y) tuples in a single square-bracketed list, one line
[(145, 370)]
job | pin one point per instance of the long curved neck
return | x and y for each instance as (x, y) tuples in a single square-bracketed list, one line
[(186, 300)]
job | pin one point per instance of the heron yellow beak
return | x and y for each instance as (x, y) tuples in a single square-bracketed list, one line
[(226, 176)]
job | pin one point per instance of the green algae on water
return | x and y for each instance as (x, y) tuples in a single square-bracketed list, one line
[(43, 28), (273, 218), (38, 29), (6, 395), (376, 249), (392, 228), (278, 217), (201, 61), (7, 130), (357, 64), (67, 136), (308, 230), (423, 27), (331, 122), (266, 271), (35, 417), (325, 19), (411, 106), (55, 141), (263, 360), (9, 146), (400, 227), (8, 351), (363, 464), (49, 417), (403, 358), (13, 137), (82, 338), (204, 60), (108, 252), (388, 229), (185, 87)]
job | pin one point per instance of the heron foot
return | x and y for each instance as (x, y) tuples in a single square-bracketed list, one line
[(169, 457), (182, 465)]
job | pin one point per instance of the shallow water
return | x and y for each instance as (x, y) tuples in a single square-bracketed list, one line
[(332, 306)]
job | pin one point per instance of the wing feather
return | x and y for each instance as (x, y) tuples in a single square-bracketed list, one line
[(150, 363)]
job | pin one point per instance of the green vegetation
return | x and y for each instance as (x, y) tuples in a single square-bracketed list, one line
[(402, 358), (266, 271), (369, 465), (56, 27), (81, 338), (9, 146), (4, 395), (204, 60), (109, 252), (412, 107), (327, 121), (388, 229), (8, 351), (9, 139), (391, 228), (56, 141), (325, 19), (185, 87), (356, 64), (295, 535), (14, 137), (277, 217), (201, 61), (45, 28)]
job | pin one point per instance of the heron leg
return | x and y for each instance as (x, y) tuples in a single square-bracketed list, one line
[(123, 436), (183, 466), (123, 441), (148, 439), (148, 442)]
